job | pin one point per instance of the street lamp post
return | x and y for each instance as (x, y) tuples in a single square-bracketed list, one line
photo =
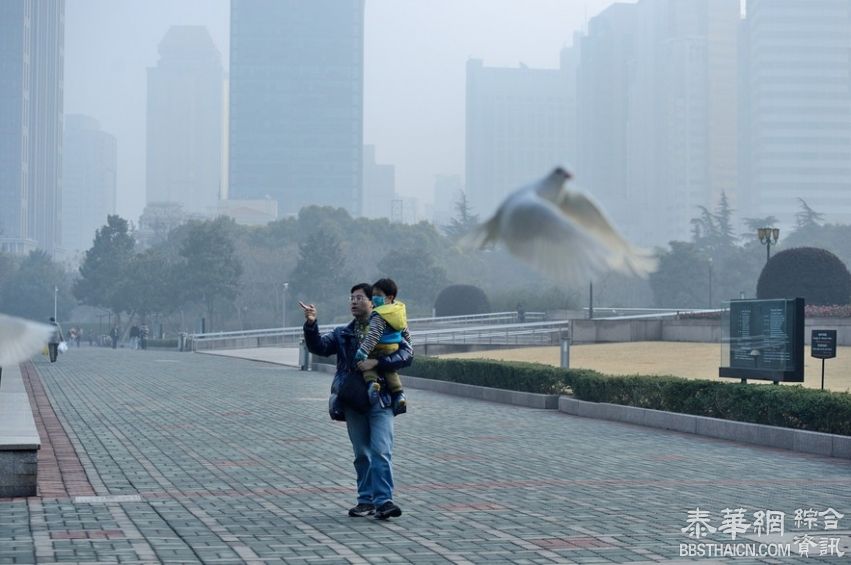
[(767, 236), (710, 282), (284, 304), (55, 301)]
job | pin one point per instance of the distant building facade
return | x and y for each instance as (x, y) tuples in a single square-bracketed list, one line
[(184, 122), (88, 181), (379, 186), (518, 128), (658, 125), (797, 82), (31, 106), (448, 190), (296, 102)]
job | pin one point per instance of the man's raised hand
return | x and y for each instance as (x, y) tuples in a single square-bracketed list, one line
[(309, 311)]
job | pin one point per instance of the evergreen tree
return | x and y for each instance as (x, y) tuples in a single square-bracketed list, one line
[(104, 269), (464, 221), (211, 269)]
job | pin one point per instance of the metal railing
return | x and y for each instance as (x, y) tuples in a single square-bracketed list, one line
[(484, 332)]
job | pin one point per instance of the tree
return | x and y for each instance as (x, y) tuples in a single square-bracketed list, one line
[(152, 284), (807, 218), (419, 279), (104, 268), (679, 282), (465, 220), (724, 222), (28, 291), (817, 275), (460, 300), (754, 224), (321, 275), (211, 269)]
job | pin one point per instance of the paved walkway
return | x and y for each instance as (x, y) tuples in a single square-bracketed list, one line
[(223, 460)]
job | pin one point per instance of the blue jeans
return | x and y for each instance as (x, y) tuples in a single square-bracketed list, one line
[(371, 434)]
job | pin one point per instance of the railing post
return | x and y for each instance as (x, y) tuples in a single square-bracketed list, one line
[(565, 349), (304, 357)]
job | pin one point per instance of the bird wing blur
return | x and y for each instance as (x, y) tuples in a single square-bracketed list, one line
[(561, 233), (21, 339)]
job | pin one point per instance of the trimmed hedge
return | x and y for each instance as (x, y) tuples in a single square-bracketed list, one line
[(163, 343), (785, 406)]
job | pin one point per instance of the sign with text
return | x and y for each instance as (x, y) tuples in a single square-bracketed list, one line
[(823, 344), (765, 340)]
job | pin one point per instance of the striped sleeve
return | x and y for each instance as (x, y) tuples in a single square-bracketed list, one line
[(376, 329)]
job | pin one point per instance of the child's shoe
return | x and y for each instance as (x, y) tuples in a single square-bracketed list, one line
[(400, 403), (374, 392)]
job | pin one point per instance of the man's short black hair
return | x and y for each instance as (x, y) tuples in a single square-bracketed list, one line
[(387, 286), (365, 287)]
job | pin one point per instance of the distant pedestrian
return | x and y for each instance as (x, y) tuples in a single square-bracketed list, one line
[(55, 339), (114, 333), (144, 332), (134, 337)]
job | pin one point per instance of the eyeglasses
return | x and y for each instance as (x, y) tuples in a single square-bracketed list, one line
[(358, 298)]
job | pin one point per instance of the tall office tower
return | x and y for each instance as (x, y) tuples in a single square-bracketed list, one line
[(31, 90), (798, 131), (296, 102), (603, 74), (184, 120), (658, 113), (518, 129), (88, 181), (379, 186)]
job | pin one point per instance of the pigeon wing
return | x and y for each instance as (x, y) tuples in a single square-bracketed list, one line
[(21, 339), (624, 257), (535, 231)]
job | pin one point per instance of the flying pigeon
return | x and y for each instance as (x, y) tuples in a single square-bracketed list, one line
[(562, 233), (21, 339)]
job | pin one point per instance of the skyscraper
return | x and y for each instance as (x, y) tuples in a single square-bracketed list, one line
[(31, 87), (88, 181), (657, 113), (518, 129), (798, 88), (296, 102), (184, 121)]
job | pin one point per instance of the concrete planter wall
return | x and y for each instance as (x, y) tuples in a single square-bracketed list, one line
[(700, 331)]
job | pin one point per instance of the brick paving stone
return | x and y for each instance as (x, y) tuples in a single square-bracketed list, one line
[(237, 461)]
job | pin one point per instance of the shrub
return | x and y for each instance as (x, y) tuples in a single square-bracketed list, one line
[(786, 406), (817, 275), (460, 300)]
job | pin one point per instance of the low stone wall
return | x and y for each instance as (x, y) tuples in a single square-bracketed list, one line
[(19, 439), (701, 331)]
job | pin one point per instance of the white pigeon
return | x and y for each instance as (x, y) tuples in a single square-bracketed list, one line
[(562, 233), (21, 339)]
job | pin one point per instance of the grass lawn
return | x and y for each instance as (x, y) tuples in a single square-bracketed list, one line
[(688, 360)]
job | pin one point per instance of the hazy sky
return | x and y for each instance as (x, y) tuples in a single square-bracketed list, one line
[(415, 57)]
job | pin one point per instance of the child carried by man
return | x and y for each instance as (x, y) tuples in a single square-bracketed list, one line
[(388, 326)]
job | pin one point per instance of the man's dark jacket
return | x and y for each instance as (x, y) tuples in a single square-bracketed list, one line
[(348, 388)]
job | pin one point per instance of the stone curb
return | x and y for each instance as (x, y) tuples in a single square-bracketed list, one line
[(816, 443)]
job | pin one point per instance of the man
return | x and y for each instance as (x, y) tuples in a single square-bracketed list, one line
[(55, 339), (370, 426)]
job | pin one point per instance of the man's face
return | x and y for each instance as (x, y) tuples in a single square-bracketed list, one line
[(359, 303)]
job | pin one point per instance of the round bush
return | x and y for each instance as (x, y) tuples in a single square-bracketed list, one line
[(461, 300), (817, 275)]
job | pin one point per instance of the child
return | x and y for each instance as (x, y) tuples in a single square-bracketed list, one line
[(388, 326)]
